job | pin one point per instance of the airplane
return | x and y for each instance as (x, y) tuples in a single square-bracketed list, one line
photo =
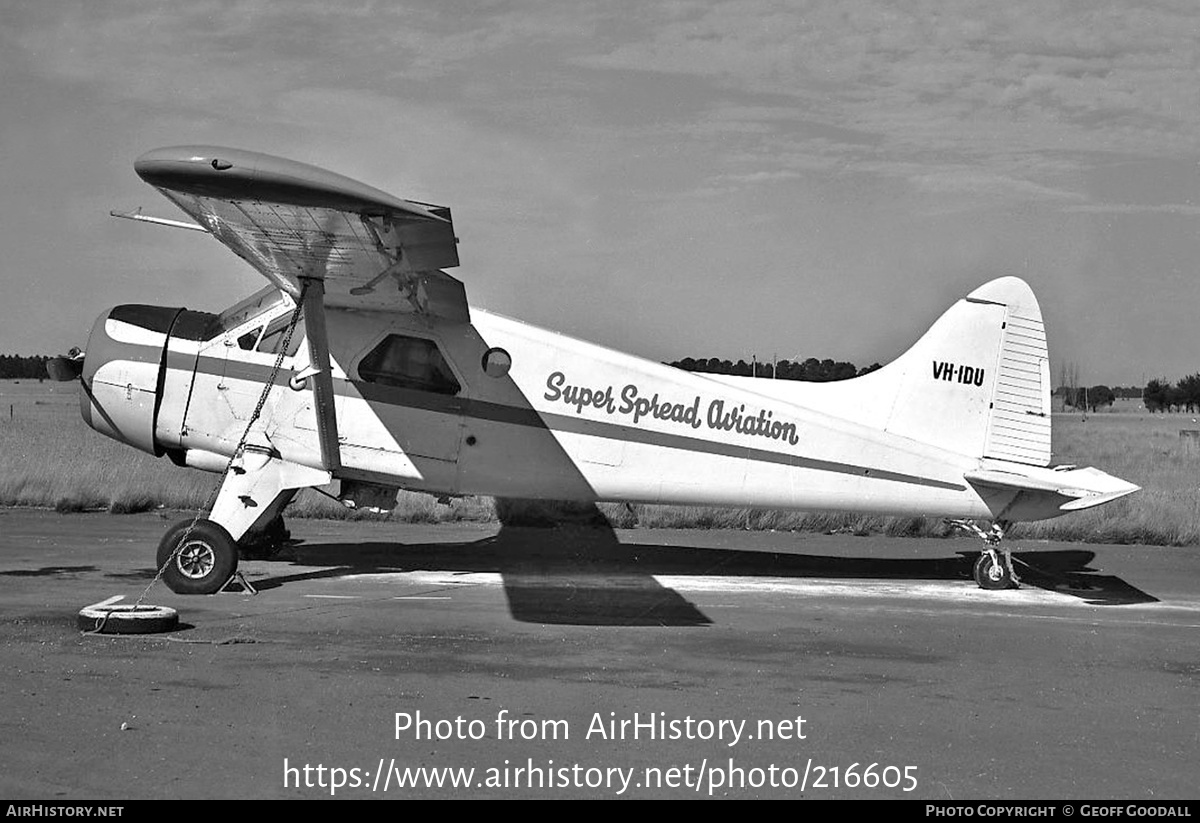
[(361, 362)]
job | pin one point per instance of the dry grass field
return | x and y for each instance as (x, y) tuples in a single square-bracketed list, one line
[(49, 458)]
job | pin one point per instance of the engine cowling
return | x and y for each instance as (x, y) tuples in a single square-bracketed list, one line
[(122, 373)]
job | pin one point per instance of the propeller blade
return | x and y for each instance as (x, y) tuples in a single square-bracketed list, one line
[(64, 368)]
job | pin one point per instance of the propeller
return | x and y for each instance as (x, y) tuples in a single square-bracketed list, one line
[(66, 367)]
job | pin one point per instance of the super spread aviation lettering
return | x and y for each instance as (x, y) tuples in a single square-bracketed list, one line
[(761, 425), (636, 405), (578, 396)]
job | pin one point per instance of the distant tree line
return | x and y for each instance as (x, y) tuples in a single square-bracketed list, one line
[(1091, 398), (1161, 395), (812, 369), (16, 367), (1129, 392)]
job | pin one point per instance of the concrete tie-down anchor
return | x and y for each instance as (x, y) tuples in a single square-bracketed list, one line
[(112, 617)]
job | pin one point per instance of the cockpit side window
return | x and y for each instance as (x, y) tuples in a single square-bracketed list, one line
[(272, 336), (409, 363), (263, 301), (246, 341)]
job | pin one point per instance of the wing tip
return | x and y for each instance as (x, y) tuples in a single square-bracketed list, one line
[(223, 172)]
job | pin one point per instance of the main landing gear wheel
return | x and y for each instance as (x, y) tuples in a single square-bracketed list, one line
[(199, 558), (992, 572)]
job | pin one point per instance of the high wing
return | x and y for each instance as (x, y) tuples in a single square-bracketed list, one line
[(292, 221), (322, 238)]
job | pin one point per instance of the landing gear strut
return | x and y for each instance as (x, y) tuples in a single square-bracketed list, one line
[(266, 542), (992, 571)]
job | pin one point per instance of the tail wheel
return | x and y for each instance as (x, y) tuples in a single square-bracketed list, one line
[(993, 573), (199, 558)]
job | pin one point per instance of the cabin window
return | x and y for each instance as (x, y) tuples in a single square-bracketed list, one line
[(409, 363)]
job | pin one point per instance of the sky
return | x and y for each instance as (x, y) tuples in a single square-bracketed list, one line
[(676, 179)]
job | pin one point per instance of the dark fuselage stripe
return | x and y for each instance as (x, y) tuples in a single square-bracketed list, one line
[(514, 415)]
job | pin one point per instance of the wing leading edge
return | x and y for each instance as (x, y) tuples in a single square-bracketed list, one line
[(292, 221)]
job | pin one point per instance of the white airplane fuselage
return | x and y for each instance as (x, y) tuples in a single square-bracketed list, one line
[(569, 419)]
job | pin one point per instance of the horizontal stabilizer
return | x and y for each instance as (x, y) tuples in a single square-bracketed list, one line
[(1084, 488), (1095, 500), (1012, 480)]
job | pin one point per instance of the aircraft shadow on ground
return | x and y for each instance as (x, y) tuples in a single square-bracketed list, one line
[(1068, 572), (586, 576)]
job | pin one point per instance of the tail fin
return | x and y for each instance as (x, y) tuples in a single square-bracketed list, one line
[(978, 382)]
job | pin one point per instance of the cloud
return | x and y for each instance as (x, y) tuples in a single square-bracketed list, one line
[(596, 153), (1019, 88), (240, 55), (1185, 209)]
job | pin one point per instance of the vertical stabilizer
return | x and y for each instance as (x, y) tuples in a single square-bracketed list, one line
[(978, 382)]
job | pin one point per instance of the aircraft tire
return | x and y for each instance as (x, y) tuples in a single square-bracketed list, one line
[(127, 619), (204, 562), (992, 575)]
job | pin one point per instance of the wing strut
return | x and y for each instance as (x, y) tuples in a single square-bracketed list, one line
[(322, 380)]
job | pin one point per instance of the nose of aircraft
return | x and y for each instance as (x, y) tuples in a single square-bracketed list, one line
[(121, 373)]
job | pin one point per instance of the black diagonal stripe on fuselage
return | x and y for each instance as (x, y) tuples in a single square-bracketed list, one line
[(518, 416)]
